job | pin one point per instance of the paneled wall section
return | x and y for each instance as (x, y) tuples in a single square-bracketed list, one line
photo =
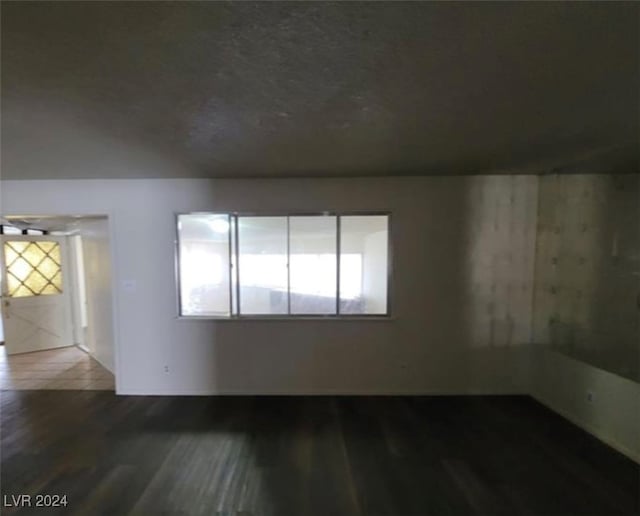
[(587, 295)]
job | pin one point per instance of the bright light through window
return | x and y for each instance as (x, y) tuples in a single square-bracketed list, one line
[(313, 274), (286, 265), (204, 265), (351, 283), (203, 268), (264, 270)]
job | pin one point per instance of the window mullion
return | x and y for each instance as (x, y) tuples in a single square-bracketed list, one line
[(288, 267), (237, 251), (231, 270), (337, 265)]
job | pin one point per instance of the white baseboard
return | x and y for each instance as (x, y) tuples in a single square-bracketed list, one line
[(83, 348), (129, 390), (631, 454)]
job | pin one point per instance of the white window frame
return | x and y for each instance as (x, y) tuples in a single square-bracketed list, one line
[(234, 283)]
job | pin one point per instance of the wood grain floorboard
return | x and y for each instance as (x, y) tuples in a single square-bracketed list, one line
[(305, 456)]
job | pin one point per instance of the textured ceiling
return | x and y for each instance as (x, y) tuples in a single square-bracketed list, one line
[(318, 89)]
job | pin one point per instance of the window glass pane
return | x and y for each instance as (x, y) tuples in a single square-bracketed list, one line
[(262, 243), (204, 264), (313, 264), (363, 264), (33, 268)]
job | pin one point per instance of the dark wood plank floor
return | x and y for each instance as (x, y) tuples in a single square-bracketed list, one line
[(300, 456)]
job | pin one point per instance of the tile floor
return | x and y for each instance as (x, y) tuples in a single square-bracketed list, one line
[(67, 368)]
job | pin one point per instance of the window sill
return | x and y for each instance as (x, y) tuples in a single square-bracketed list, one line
[(268, 318)]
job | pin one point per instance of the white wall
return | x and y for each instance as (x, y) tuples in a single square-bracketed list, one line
[(613, 414), (78, 289), (586, 320), (461, 297), (98, 282), (428, 346), (588, 270)]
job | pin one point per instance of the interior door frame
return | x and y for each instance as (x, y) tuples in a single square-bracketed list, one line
[(111, 216)]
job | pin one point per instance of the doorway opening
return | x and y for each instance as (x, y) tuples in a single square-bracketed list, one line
[(57, 303)]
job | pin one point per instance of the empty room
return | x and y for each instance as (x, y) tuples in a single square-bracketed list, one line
[(320, 258)]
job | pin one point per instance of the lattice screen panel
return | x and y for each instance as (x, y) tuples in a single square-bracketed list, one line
[(33, 268)]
